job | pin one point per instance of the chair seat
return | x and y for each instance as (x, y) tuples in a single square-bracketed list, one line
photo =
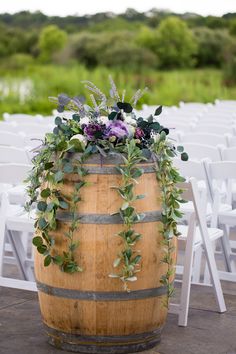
[(4, 187), (213, 233), (17, 194), (188, 208), (21, 221), (227, 217)]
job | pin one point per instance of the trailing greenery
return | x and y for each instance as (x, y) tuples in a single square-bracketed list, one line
[(108, 126), (128, 257), (168, 177)]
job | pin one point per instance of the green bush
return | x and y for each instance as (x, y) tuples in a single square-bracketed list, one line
[(128, 55), (212, 45), (230, 73), (19, 61), (51, 40), (175, 44)]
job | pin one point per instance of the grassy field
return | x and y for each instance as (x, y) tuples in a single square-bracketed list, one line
[(27, 90)]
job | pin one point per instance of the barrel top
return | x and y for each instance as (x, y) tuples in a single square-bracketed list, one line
[(110, 159)]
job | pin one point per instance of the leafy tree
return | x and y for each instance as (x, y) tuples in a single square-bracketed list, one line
[(51, 40), (175, 44), (212, 46)]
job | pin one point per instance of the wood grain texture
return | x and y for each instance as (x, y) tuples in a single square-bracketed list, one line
[(97, 250)]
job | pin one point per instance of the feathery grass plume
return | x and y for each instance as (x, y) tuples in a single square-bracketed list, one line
[(138, 95), (114, 91), (93, 88), (80, 106), (123, 96)]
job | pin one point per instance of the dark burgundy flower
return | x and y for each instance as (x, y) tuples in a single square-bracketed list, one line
[(94, 131), (139, 133)]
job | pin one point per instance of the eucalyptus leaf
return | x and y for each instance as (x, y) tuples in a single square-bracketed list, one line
[(47, 260), (158, 111)]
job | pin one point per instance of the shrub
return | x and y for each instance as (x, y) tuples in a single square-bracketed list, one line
[(212, 45), (19, 61), (51, 40), (175, 44), (129, 55)]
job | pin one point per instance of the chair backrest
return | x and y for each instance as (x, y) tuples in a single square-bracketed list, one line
[(10, 154), (8, 127), (35, 129), (11, 139), (232, 141), (223, 172), (195, 169), (200, 151), (191, 193), (21, 118), (215, 129), (206, 139), (229, 154), (13, 173)]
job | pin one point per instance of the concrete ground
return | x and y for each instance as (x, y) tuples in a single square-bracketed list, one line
[(208, 332)]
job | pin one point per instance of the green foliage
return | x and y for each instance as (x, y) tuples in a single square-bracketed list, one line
[(168, 87), (168, 177), (51, 40), (230, 71), (212, 45), (175, 44), (128, 261), (232, 27)]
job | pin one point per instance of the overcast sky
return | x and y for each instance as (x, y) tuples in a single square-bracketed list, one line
[(81, 7)]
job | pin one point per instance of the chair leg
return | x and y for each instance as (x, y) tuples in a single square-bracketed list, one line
[(230, 267), (187, 274), (3, 209), (214, 274), (197, 265)]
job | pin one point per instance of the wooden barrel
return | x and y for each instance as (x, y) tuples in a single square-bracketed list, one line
[(89, 312)]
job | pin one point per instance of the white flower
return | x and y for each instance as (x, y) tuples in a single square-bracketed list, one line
[(155, 136), (130, 120), (131, 130), (84, 120), (81, 138), (103, 119)]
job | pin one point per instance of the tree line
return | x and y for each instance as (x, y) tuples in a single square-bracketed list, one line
[(153, 39)]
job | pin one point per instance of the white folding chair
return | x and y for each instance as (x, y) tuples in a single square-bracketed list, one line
[(11, 139), (206, 139), (229, 154), (215, 129), (8, 127), (201, 151), (14, 225), (224, 172), (21, 118), (35, 129), (11, 154), (196, 235)]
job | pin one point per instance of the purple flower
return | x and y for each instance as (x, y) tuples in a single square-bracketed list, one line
[(139, 133), (94, 131), (116, 128)]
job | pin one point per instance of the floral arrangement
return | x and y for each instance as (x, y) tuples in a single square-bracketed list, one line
[(108, 126)]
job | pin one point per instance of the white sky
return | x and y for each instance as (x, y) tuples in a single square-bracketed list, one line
[(72, 7)]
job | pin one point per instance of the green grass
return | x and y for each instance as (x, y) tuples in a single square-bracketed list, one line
[(166, 88)]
